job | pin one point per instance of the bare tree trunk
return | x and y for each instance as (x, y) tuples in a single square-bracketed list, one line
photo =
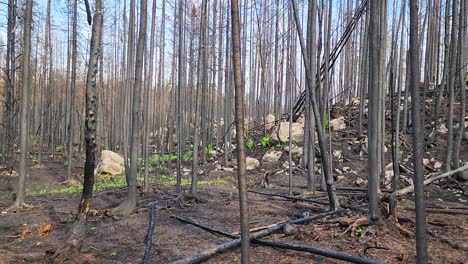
[(46, 82), (418, 137), (71, 108), (127, 207), (372, 130), (91, 124), (461, 61), (239, 105), (199, 112), (148, 88), (181, 86), (26, 82), (331, 191), (451, 84), (9, 135)]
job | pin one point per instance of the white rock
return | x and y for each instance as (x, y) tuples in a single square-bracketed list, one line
[(345, 169), (388, 175), (110, 163), (360, 182), (286, 165), (290, 229), (269, 121), (252, 163), (296, 151), (338, 123), (437, 165), (425, 161), (337, 154), (442, 129), (338, 171), (340, 178), (272, 155), (282, 134), (230, 169)]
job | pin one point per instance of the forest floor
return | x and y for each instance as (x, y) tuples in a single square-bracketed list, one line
[(28, 235)]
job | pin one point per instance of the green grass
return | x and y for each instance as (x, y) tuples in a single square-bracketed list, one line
[(106, 182)]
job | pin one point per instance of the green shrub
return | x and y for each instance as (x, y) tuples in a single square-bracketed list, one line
[(187, 155), (208, 149), (266, 142), (249, 144)]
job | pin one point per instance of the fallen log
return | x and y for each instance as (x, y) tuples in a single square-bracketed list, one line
[(208, 253), (149, 235), (292, 198), (290, 246)]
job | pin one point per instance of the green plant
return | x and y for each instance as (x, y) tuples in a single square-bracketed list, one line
[(187, 155), (208, 149), (358, 231), (93, 228), (114, 253), (266, 142), (327, 121), (35, 161), (249, 144), (280, 145)]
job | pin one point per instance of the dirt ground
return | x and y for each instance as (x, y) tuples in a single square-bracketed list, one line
[(124, 240)]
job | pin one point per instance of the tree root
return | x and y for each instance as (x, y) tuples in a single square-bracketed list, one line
[(353, 223), (20, 205), (125, 209)]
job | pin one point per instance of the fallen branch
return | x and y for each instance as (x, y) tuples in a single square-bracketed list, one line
[(431, 180), (290, 197), (149, 235), (290, 246), (321, 252), (442, 211), (208, 253)]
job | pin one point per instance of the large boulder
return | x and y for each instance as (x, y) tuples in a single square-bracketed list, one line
[(272, 155), (338, 123), (282, 134), (110, 163), (251, 163), (270, 122)]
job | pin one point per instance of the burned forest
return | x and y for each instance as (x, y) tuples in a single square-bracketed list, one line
[(233, 131)]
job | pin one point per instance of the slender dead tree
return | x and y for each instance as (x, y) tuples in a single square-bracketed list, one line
[(331, 190), (198, 112), (418, 137), (148, 87), (9, 135), (26, 82), (239, 112), (71, 91), (180, 86), (78, 231), (451, 84), (461, 62), (127, 207), (372, 129)]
